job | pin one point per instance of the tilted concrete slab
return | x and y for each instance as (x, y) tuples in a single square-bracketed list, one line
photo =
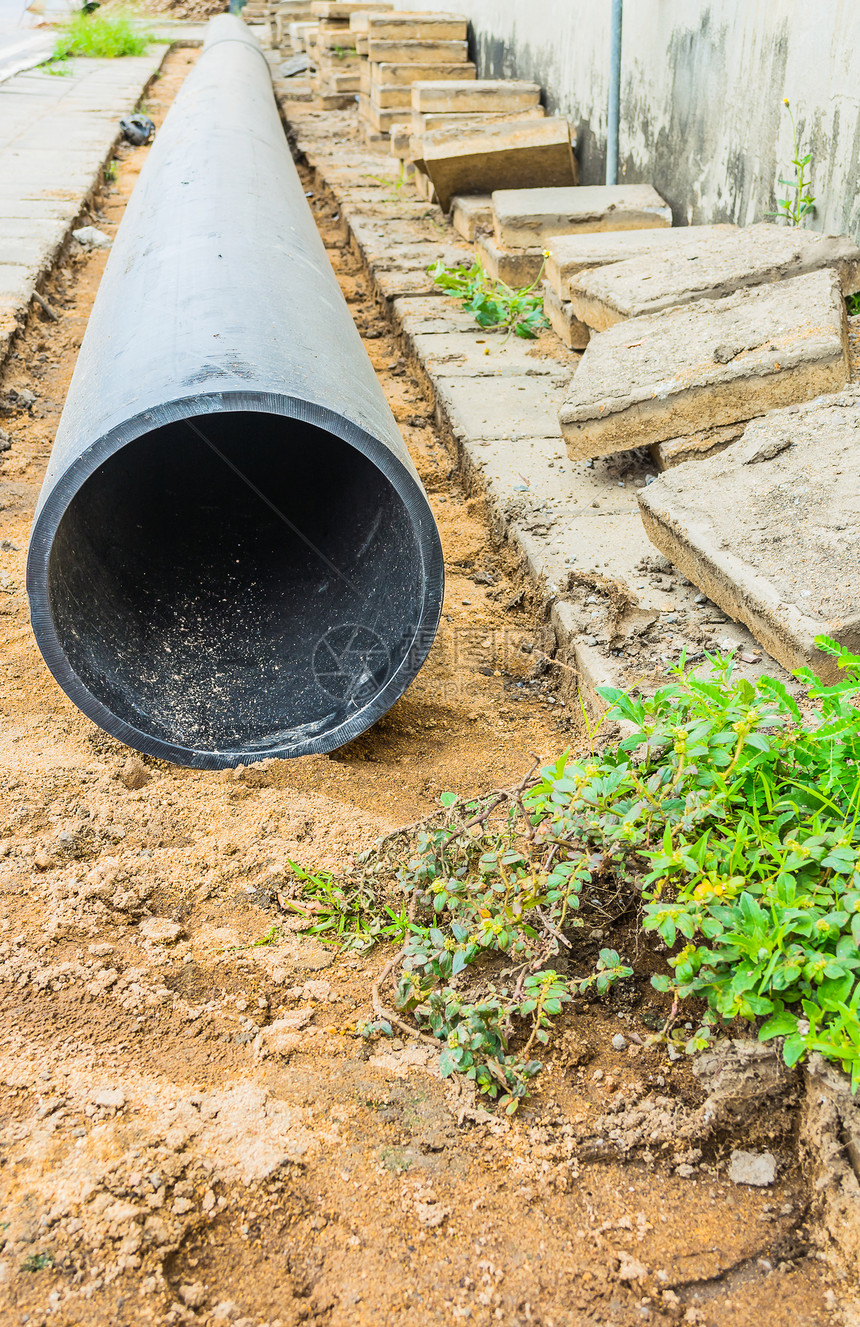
[(479, 95), (771, 531), (497, 156), (472, 215), (705, 364), (527, 216), (571, 254), (715, 267)]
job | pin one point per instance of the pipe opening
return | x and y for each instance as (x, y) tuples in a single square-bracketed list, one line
[(244, 592)]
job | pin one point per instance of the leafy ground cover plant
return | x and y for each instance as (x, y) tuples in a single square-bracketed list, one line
[(495, 306), (727, 815), (100, 35)]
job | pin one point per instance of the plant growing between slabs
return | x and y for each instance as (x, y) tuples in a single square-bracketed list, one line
[(800, 202), (494, 305)]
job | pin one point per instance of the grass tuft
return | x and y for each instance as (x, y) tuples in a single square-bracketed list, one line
[(101, 36)]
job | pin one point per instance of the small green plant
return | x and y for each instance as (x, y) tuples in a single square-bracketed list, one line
[(111, 172), (800, 202), (101, 36), (37, 1262), (495, 306)]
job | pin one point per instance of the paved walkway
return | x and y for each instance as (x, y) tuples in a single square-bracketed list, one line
[(56, 133)]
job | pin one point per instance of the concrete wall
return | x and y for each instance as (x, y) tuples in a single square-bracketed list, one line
[(702, 88)]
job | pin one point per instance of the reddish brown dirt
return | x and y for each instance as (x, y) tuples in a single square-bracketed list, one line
[(162, 1163)]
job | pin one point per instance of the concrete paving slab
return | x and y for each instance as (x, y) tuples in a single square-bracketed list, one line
[(472, 215), (473, 352), (481, 95), (516, 267), (413, 72), (527, 216), (55, 136), (570, 254), (771, 532), (705, 364), (528, 410), (408, 51), (439, 27), (498, 156), (424, 314), (564, 322), (712, 269)]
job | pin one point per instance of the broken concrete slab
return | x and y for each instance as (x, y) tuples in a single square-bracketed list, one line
[(706, 364), (498, 155), (696, 446), (480, 95), (403, 51), (712, 269), (770, 531), (472, 215), (527, 216), (567, 327), (516, 267), (570, 254)]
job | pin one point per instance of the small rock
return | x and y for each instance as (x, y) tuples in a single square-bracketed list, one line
[(91, 237), (193, 1295), (619, 1043), (226, 1310), (630, 1269), (109, 1097), (160, 930), (758, 1168), (5, 443), (134, 774)]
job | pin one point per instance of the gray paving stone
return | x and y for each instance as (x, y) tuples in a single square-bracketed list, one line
[(524, 217), (712, 269), (564, 322), (472, 215), (770, 530), (705, 364), (496, 94), (516, 267), (471, 352)]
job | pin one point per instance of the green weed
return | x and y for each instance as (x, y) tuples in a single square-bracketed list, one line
[(37, 1262), (727, 817), (101, 36), (495, 306)]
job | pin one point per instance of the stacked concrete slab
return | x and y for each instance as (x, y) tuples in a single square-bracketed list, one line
[(333, 49), (525, 220), (567, 256), (401, 48), (283, 13)]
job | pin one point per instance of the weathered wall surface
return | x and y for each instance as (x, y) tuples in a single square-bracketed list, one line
[(702, 87)]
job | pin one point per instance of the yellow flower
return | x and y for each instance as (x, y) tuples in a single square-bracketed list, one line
[(785, 101)]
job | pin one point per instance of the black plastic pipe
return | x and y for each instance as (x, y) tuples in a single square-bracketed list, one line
[(232, 556)]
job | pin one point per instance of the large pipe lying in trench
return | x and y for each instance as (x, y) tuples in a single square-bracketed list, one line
[(232, 556)]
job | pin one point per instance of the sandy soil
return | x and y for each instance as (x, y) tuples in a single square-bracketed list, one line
[(165, 1160)]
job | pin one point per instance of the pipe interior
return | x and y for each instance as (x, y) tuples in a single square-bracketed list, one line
[(226, 611)]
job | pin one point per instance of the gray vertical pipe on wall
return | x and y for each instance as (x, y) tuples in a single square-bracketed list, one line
[(232, 556), (614, 109)]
